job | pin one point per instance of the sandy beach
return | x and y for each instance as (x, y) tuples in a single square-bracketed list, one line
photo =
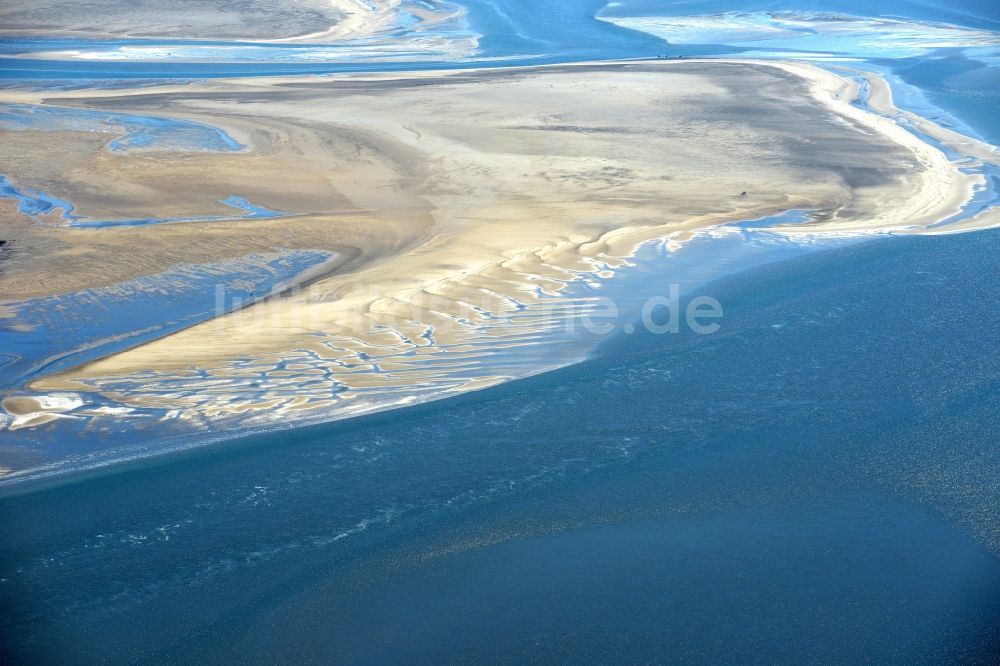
[(460, 199)]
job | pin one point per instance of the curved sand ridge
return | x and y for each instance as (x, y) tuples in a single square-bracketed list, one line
[(257, 21), (535, 180), (255, 30)]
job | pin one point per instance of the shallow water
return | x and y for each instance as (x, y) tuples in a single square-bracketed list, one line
[(67, 329), (101, 431), (74, 328), (130, 131)]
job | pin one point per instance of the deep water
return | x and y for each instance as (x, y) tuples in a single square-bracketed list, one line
[(815, 482)]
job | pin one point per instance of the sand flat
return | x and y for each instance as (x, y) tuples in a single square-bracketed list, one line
[(482, 191), (259, 20)]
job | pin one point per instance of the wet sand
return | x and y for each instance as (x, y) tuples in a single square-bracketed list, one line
[(333, 30), (467, 197), (259, 21)]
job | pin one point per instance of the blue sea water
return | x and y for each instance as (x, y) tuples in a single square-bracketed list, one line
[(814, 483)]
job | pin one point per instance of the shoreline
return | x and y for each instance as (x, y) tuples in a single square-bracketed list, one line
[(138, 451), (350, 20), (460, 479), (553, 266)]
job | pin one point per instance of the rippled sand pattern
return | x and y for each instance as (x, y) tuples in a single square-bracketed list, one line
[(480, 202)]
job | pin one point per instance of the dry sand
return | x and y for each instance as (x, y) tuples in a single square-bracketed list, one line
[(305, 21), (463, 195)]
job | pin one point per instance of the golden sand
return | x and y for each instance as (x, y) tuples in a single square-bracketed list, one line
[(465, 196)]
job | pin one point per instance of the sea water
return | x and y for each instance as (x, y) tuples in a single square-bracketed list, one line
[(815, 482)]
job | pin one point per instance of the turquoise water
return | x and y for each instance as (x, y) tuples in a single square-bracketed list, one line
[(814, 483)]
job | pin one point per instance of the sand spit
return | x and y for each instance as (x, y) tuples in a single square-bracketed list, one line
[(33, 411), (485, 195), (259, 21)]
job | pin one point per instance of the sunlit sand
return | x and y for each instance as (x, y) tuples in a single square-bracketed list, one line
[(457, 200)]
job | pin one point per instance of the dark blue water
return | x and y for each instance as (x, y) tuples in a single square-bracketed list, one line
[(815, 482)]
